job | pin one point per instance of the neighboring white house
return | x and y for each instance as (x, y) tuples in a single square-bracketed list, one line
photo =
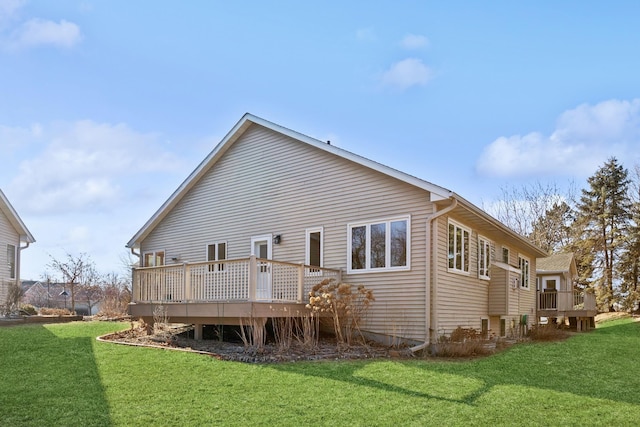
[(14, 237), (270, 212)]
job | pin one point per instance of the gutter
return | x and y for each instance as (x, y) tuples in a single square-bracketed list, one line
[(430, 315), (19, 262)]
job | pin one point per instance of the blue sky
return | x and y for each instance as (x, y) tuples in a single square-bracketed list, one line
[(107, 106)]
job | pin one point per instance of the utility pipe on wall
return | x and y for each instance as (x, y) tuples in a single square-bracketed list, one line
[(431, 289)]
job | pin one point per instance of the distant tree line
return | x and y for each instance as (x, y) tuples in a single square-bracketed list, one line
[(600, 225)]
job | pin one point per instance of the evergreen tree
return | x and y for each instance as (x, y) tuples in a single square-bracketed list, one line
[(604, 218)]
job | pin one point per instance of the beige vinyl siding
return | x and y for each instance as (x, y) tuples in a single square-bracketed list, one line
[(8, 236), (267, 183), (464, 299)]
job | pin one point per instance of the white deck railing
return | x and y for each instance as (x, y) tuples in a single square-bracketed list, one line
[(566, 301), (249, 279)]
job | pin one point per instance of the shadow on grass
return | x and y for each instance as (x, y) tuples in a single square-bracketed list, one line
[(49, 379), (601, 364)]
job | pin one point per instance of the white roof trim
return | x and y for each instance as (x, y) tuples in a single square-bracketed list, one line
[(14, 219), (436, 192)]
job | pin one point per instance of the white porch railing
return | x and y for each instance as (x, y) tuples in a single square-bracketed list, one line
[(249, 279), (566, 301)]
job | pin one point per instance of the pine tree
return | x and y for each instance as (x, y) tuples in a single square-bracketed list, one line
[(604, 218)]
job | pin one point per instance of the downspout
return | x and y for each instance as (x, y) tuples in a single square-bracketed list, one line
[(430, 259), (19, 262)]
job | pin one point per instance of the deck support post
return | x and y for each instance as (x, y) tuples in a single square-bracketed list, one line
[(197, 331)]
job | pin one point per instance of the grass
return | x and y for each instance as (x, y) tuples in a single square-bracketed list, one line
[(59, 375)]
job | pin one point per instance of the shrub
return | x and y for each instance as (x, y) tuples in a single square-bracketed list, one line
[(550, 332), (28, 310), (345, 306), (45, 311), (462, 342)]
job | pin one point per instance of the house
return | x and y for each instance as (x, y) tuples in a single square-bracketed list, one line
[(58, 295), (14, 237), (270, 212), (558, 297)]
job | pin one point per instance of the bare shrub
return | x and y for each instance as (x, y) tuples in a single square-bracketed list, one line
[(462, 342), (12, 301), (550, 332), (307, 331), (47, 311), (161, 321), (345, 306)]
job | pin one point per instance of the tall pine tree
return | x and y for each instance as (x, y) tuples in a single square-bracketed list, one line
[(604, 217)]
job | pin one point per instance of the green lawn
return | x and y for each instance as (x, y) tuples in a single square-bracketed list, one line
[(60, 375)]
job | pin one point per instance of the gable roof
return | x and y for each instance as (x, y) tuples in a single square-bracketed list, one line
[(436, 193), (556, 263), (14, 219)]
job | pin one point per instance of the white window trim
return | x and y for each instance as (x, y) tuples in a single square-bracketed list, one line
[(508, 256), (218, 267), (488, 257), (265, 237), (522, 275), (468, 251), (368, 224), (154, 252), (488, 324), (307, 244), (12, 268)]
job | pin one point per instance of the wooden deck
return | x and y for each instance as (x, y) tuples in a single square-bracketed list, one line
[(225, 292), (577, 306)]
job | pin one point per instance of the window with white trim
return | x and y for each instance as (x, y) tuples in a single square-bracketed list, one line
[(11, 261), (458, 248), (523, 263), (505, 255), (154, 259), (313, 248), (379, 245), (217, 252), (484, 258)]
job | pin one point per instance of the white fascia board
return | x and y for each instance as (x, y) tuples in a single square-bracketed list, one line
[(436, 192), (538, 253), (14, 219)]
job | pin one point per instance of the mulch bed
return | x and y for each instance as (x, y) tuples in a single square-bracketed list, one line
[(326, 349)]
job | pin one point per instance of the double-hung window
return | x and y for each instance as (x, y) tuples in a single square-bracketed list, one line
[(523, 263), (379, 245), (217, 252), (154, 259), (458, 248), (11, 261), (484, 258)]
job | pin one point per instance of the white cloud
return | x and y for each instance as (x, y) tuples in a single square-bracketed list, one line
[(34, 32), (8, 10), (414, 41), (87, 166), (40, 32), (406, 73), (584, 138)]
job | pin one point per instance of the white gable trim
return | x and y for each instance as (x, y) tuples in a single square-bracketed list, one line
[(14, 219), (436, 192)]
